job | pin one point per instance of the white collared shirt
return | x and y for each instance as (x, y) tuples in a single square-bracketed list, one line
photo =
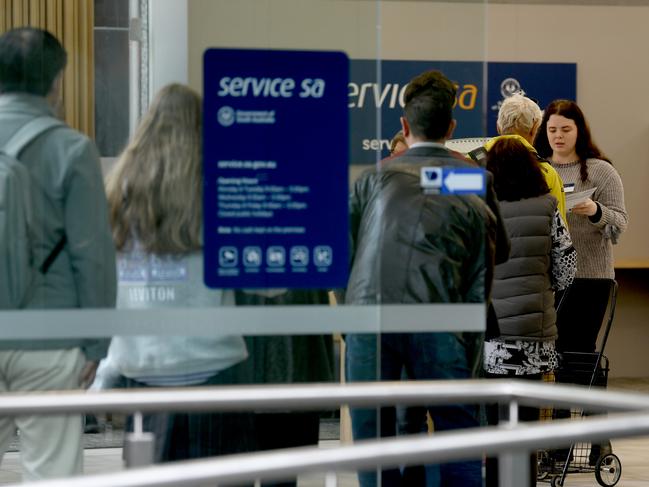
[(427, 144)]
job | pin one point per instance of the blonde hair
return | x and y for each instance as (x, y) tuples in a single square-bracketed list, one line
[(398, 138), (155, 189), (518, 115)]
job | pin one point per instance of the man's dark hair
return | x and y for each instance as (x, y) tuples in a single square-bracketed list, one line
[(30, 60), (429, 100)]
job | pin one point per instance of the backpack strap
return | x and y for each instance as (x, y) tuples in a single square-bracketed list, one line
[(45, 266), (27, 133), (14, 146)]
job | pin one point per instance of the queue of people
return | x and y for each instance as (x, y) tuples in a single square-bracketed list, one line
[(514, 248)]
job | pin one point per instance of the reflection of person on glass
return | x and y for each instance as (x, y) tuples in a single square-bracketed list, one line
[(544, 261), (412, 247), (154, 194), (70, 244)]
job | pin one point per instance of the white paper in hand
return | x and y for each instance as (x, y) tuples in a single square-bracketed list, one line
[(573, 199)]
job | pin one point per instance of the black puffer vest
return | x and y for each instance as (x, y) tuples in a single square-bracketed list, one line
[(522, 291)]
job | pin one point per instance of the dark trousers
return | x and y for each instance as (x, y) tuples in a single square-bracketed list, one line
[(286, 430), (495, 414), (182, 436), (425, 356)]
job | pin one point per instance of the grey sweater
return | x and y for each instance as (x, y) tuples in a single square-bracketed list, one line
[(594, 240)]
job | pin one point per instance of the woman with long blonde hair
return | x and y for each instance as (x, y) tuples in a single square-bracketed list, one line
[(154, 195), (154, 191)]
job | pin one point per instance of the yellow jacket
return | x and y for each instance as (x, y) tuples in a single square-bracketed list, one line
[(552, 178)]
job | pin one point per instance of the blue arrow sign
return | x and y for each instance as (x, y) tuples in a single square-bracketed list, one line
[(453, 180)]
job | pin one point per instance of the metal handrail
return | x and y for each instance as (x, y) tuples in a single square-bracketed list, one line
[(320, 396), (441, 447), (511, 441)]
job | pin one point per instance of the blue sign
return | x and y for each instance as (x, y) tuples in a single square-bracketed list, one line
[(477, 103), (543, 82), (275, 157), (453, 180)]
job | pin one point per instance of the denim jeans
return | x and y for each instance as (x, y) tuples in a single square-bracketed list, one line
[(425, 356)]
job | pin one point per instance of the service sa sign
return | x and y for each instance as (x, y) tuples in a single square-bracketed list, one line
[(275, 168)]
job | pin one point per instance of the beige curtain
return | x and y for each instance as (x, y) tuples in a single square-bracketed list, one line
[(71, 21)]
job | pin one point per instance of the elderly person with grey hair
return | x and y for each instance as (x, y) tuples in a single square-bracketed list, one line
[(519, 117)]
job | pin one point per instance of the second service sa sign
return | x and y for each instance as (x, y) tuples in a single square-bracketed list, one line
[(275, 150)]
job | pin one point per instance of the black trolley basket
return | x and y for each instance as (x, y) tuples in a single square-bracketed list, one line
[(585, 313)]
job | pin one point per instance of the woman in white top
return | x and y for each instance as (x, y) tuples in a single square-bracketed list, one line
[(155, 201)]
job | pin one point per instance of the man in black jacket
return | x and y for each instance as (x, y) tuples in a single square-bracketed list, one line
[(413, 247)]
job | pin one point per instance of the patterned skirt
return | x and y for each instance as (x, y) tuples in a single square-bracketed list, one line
[(519, 357)]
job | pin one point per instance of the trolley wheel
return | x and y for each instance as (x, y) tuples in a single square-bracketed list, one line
[(544, 465), (556, 481), (608, 470)]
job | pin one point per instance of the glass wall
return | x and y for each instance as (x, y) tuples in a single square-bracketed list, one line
[(260, 227), (298, 100)]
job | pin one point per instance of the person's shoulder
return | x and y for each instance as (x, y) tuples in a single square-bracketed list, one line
[(365, 180), (600, 164), (450, 158), (546, 166), (550, 173), (601, 169), (65, 134), (367, 173), (68, 143), (460, 159)]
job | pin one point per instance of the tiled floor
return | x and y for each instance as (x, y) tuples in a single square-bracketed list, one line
[(633, 454)]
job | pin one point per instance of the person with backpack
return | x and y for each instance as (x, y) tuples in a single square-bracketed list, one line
[(56, 248)]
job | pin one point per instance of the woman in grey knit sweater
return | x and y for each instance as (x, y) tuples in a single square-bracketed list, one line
[(595, 225)]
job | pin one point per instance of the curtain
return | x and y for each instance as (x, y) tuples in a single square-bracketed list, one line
[(72, 22)]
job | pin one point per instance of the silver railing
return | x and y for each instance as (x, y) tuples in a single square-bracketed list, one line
[(512, 441)]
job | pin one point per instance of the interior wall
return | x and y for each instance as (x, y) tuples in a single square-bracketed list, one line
[(608, 43), (600, 39), (280, 24), (627, 345)]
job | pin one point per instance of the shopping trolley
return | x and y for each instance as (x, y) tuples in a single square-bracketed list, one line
[(584, 313)]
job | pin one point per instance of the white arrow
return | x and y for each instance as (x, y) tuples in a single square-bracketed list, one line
[(464, 182)]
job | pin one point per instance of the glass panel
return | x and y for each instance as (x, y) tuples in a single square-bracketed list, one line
[(170, 329)]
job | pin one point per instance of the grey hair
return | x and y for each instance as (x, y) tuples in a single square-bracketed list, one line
[(518, 115)]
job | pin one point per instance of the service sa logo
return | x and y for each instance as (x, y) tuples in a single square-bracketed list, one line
[(508, 87)]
